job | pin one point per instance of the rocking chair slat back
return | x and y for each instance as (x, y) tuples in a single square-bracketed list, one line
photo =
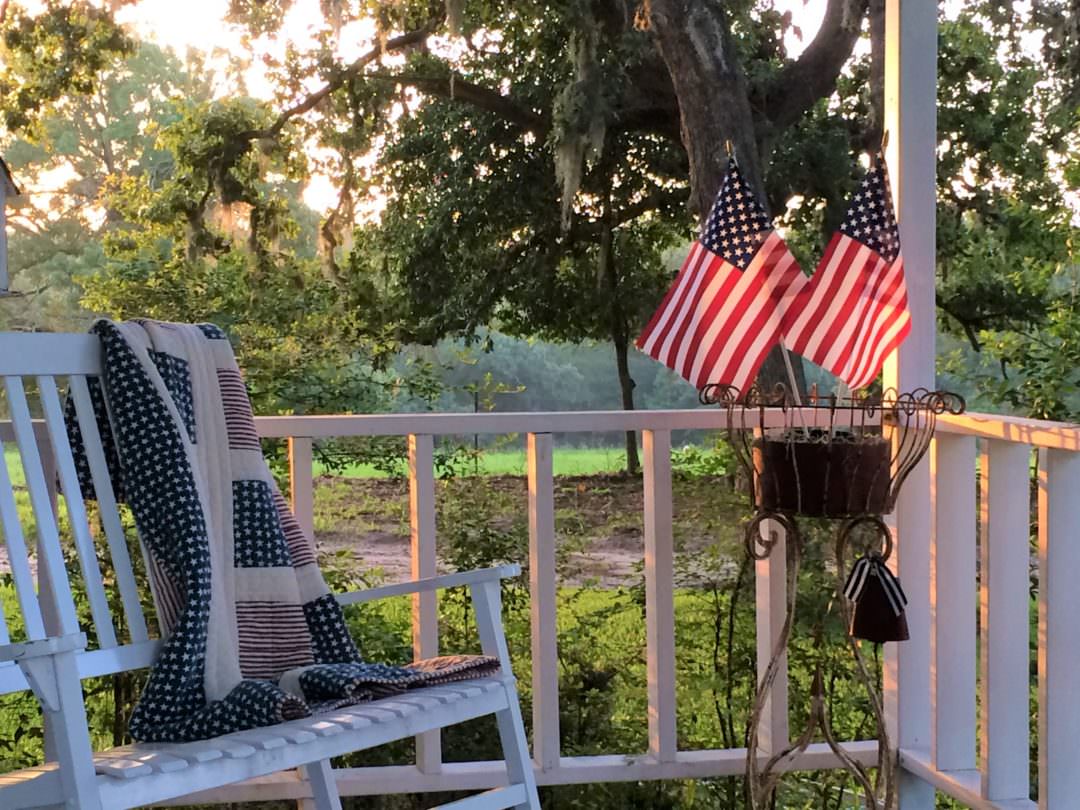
[(107, 510), (55, 589), (76, 512), (95, 538)]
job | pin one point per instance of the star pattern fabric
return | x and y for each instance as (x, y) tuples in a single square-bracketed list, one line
[(287, 622), (177, 378), (163, 496), (104, 429), (870, 218), (737, 224), (258, 541)]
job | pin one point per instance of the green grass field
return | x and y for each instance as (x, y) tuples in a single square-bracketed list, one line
[(15, 470), (568, 461)]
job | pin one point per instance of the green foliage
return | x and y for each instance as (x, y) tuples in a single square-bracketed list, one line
[(216, 239), (57, 53), (601, 639), (694, 461)]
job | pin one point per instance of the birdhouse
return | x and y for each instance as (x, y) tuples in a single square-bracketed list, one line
[(8, 191)]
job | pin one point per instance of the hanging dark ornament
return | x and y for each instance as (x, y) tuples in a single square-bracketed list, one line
[(879, 601)]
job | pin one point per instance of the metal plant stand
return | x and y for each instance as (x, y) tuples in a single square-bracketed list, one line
[(843, 460)]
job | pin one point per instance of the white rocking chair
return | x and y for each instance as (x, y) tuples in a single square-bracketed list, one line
[(53, 658)]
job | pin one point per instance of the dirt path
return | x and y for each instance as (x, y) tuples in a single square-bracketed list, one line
[(598, 522), (598, 519)]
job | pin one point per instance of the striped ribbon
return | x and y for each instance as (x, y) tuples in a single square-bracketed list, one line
[(872, 565)]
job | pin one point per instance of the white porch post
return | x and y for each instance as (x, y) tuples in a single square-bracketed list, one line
[(911, 121)]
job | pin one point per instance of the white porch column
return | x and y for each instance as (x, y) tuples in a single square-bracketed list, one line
[(911, 121)]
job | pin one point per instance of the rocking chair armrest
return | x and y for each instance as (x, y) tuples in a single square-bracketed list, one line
[(26, 650), (430, 584)]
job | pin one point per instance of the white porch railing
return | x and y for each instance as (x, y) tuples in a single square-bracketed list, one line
[(982, 473)]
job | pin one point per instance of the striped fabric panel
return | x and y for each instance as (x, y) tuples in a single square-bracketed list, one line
[(169, 600), (239, 422), (300, 547), (273, 638)]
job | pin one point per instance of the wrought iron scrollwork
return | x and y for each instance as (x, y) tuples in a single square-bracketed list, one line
[(798, 457), (900, 424)]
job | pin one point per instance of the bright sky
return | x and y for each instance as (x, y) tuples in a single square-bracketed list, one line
[(198, 24)]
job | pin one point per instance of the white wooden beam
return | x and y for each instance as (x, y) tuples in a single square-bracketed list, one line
[(911, 121), (301, 484), (953, 603), (1059, 629), (4, 281), (379, 780), (770, 599)]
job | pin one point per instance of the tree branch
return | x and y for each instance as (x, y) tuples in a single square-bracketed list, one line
[(813, 75), (967, 326), (456, 88), (341, 79)]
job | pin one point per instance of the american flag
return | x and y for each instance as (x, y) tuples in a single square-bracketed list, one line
[(854, 310), (723, 312)]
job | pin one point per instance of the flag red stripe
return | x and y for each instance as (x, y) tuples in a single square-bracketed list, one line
[(729, 312), (723, 283), (737, 311), (798, 321), (863, 304), (829, 323), (714, 328), (753, 316), (821, 287), (661, 321), (717, 323), (853, 368), (893, 325), (705, 269), (903, 328)]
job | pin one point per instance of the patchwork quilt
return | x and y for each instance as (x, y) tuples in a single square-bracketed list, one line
[(251, 634)]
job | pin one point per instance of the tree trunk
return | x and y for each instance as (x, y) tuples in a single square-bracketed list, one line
[(774, 370), (626, 385), (620, 337), (714, 106)]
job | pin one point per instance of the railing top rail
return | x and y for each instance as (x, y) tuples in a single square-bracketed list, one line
[(441, 424), (1035, 432)]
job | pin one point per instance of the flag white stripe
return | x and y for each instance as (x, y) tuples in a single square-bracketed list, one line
[(702, 260), (686, 279), (852, 368), (767, 335), (898, 319), (828, 319), (868, 298), (720, 322), (693, 364), (819, 288), (890, 310)]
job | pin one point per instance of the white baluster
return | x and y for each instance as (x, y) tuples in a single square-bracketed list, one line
[(659, 594), (301, 484), (544, 603), (770, 598), (1059, 629), (1004, 599), (425, 607), (953, 602)]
